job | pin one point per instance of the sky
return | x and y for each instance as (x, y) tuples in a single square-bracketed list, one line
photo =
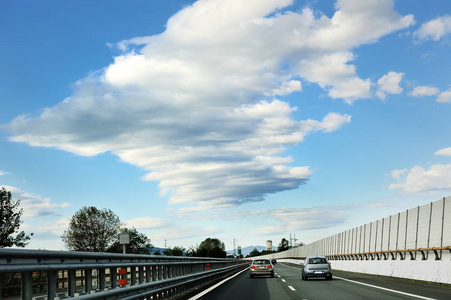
[(245, 121)]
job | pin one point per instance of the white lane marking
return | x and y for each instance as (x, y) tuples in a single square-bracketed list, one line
[(385, 289), (215, 286), (283, 280), (377, 287), (292, 288)]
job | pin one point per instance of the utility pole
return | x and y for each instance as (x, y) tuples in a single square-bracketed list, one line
[(234, 251), (295, 239)]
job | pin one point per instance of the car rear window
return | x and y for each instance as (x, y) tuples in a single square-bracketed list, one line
[(317, 261), (261, 262)]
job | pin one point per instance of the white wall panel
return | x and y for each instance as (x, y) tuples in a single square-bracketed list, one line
[(386, 233), (447, 223), (359, 235), (373, 237), (394, 232), (423, 226), (378, 236), (436, 224), (412, 215), (366, 242), (402, 230)]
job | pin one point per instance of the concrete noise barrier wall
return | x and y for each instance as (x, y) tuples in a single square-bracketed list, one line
[(412, 244)]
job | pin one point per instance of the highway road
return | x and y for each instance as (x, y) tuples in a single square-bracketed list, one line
[(287, 284)]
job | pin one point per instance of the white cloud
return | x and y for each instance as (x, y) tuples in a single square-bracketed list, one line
[(419, 180), (332, 72), (421, 91), (444, 97), (186, 105), (291, 220), (330, 123), (57, 227), (34, 205), (288, 88), (444, 152), (145, 223), (389, 84), (434, 29), (3, 173)]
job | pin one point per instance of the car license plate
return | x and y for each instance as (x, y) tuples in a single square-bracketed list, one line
[(318, 272)]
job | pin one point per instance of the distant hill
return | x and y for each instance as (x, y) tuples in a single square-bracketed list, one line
[(246, 250)]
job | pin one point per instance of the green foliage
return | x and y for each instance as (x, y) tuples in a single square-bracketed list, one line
[(209, 248), (92, 230), (283, 246), (139, 243), (253, 253), (176, 251), (10, 215)]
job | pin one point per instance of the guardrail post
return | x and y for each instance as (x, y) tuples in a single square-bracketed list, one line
[(160, 271), (101, 279), (148, 278), (113, 278), (132, 275), (154, 273), (88, 281), (140, 274), (27, 285), (51, 284), (71, 282)]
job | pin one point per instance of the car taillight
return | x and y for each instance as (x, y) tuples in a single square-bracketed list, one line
[(269, 267), (253, 267)]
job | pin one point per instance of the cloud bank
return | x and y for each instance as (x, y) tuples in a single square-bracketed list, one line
[(33, 205), (199, 106), (435, 29), (420, 180)]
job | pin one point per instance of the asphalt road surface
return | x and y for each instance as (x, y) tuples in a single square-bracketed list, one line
[(287, 284)]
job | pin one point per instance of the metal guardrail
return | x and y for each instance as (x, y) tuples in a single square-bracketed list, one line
[(66, 274), (382, 255), (378, 255)]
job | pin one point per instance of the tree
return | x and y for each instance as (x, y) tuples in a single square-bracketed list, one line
[(10, 222), (253, 253), (178, 251), (210, 248), (91, 230), (283, 246), (139, 243)]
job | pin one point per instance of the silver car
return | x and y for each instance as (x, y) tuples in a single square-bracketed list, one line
[(316, 266), (261, 267)]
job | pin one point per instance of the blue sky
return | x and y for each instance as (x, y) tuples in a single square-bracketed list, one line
[(246, 120)]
